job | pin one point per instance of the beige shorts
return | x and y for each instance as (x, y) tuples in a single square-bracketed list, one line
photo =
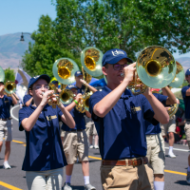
[(75, 144), (169, 127), (187, 132), (156, 153), (6, 130), (91, 129), (127, 177)]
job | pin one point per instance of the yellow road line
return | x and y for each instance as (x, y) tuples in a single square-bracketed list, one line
[(174, 172), (8, 186), (98, 158)]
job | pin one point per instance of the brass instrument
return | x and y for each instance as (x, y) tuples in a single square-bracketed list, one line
[(64, 70), (172, 110), (66, 96), (155, 68), (83, 104), (91, 59), (2, 74), (179, 77), (10, 88)]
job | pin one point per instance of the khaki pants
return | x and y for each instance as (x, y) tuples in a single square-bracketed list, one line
[(169, 127), (45, 180), (156, 153), (187, 132), (6, 130), (75, 144), (127, 177)]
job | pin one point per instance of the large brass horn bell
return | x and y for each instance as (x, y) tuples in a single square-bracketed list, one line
[(179, 77), (10, 87), (64, 70), (91, 59), (156, 67)]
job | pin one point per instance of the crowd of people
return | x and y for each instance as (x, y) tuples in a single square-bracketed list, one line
[(129, 130)]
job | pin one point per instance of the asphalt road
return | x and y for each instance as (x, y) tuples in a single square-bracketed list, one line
[(175, 169)]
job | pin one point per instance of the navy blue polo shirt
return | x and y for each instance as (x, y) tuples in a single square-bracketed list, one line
[(81, 90), (121, 132), (155, 129), (186, 100), (44, 150), (5, 105), (79, 120), (26, 98)]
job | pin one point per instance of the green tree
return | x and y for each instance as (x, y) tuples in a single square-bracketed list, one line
[(127, 24), (40, 56), (9, 75)]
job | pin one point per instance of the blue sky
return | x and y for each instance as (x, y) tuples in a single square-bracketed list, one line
[(23, 16)]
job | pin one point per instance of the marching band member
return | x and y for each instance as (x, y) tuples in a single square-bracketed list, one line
[(170, 127), (75, 142), (44, 158), (5, 123), (186, 97), (155, 142), (118, 117)]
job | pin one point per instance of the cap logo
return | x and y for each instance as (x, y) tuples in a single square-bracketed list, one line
[(36, 77), (78, 72), (117, 52)]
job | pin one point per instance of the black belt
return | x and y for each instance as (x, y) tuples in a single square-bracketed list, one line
[(5, 119)]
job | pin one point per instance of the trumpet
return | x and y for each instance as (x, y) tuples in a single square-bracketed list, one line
[(10, 88)]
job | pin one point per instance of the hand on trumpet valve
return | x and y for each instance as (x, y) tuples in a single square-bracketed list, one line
[(129, 72), (78, 97)]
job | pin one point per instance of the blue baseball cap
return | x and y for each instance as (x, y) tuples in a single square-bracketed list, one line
[(54, 82), (36, 78), (78, 73), (187, 72), (112, 56), (69, 87)]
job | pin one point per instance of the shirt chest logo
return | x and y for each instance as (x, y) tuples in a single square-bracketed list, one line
[(6, 101), (135, 109), (51, 117)]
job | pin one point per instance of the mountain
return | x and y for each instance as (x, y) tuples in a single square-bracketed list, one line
[(12, 50)]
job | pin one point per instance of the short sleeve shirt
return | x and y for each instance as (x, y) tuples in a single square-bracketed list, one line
[(79, 120), (186, 100), (121, 133), (155, 129), (44, 150), (26, 98), (5, 106)]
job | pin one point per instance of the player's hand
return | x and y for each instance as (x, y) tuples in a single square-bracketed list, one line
[(78, 97), (46, 96), (129, 72)]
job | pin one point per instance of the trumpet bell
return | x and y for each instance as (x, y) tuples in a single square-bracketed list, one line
[(10, 87), (64, 70), (156, 67), (2, 74), (66, 96), (91, 59), (180, 76)]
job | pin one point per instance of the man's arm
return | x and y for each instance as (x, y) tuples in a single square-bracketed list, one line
[(29, 102), (109, 101), (14, 99), (171, 97), (160, 113), (73, 104), (188, 92)]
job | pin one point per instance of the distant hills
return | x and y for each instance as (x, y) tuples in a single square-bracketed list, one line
[(12, 50)]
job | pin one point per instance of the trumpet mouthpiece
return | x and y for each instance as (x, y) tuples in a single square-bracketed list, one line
[(122, 74)]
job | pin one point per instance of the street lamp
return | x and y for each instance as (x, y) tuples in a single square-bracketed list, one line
[(22, 36)]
